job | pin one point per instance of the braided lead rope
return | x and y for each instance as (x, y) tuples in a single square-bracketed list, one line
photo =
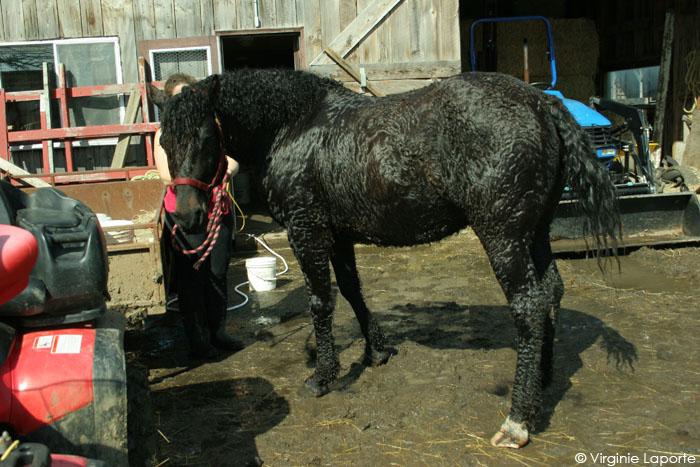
[(213, 228)]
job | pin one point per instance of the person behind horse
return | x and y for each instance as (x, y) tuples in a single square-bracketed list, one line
[(202, 293)]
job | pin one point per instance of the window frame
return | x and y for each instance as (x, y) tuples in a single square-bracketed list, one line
[(207, 48), (119, 80), (180, 43)]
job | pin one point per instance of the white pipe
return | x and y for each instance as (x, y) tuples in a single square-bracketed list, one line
[(257, 14)]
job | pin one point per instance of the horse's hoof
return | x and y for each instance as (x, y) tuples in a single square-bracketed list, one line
[(511, 435), (378, 357), (503, 439), (316, 388)]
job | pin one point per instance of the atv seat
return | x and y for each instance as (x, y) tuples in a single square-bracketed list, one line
[(69, 280)]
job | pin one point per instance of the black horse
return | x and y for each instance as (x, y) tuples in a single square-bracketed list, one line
[(338, 168)]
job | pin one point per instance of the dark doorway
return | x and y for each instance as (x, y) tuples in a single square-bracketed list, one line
[(271, 50)]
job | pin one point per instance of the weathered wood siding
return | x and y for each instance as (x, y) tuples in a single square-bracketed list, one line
[(418, 40)]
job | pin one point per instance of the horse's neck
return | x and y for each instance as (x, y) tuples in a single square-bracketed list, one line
[(275, 111), (279, 98)]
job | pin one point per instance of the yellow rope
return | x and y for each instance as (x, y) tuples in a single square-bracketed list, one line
[(692, 78), (228, 190)]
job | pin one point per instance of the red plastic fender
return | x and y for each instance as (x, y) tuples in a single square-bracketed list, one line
[(60, 460), (48, 375), (18, 253)]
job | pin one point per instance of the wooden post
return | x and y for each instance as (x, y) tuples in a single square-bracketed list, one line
[(65, 114), (4, 145), (145, 110), (16, 171), (352, 71), (122, 147), (664, 73), (526, 63), (45, 120)]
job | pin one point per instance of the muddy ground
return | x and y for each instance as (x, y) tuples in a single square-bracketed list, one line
[(627, 368)]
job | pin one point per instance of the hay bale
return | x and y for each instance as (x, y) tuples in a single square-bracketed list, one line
[(575, 47), (579, 88)]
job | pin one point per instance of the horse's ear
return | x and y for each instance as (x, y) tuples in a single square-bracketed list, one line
[(157, 96), (210, 91)]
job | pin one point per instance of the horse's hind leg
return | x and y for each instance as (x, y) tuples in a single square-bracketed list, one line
[(343, 260), (541, 252), (311, 246), (529, 305)]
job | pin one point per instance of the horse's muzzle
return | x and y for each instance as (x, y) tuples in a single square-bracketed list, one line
[(191, 212)]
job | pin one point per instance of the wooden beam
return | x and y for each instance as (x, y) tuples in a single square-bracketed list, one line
[(45, 118), (14, 170), (65, 114), (355, 32), (145, 110), (81, 91), (352, 71), (397, 71), (81, 132), (132, 109), (4, 144), (664, 73), (126, 173)]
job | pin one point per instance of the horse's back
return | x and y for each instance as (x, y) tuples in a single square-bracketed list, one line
[(417, 166)]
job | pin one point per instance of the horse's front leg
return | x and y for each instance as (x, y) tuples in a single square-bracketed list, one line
[(343, 260), (312, 249)]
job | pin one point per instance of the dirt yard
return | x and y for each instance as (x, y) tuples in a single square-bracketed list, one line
[(627, 369)]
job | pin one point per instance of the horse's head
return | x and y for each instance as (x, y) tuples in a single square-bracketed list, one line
[(191, 137)]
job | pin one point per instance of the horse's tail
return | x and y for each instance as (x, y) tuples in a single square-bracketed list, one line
[(589, 182)]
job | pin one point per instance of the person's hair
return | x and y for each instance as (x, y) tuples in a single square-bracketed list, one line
[(175, 79)]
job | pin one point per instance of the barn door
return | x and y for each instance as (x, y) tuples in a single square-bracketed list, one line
[(354, 33)]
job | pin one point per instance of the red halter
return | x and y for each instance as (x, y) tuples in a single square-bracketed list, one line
[(214, 224), (220, 172)]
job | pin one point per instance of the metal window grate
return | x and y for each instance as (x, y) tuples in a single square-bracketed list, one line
[(194, 62)]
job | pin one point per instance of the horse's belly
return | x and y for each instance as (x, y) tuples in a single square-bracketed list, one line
[(401, 225)]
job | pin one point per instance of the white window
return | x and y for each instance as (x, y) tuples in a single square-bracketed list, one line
[(88, 62), (193, 61)]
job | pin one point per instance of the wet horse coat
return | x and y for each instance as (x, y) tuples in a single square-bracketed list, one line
[(337, 168)]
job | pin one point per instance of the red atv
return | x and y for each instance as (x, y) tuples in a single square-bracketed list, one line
[(63, 375)]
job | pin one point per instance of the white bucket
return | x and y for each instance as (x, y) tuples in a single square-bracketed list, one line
[(261, 272)]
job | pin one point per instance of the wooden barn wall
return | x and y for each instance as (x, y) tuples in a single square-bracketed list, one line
[(419, 40)]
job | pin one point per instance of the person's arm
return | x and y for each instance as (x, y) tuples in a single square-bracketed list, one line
[(232, 167), (161, 160)]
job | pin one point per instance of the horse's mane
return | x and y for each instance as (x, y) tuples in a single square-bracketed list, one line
[(271, 97), (252, 98), (182, 115)]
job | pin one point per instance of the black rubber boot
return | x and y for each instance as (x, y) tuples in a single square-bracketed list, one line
[(198, 335), (216, 316), (217, 328)]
